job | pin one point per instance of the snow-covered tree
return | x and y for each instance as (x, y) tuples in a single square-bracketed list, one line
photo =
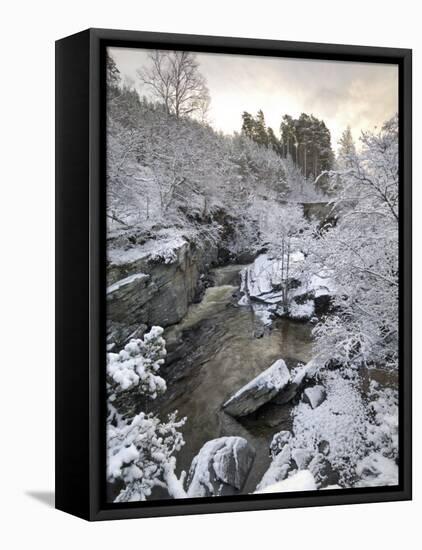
[(308, 141), (174, 79), (347, 149), (287, 233), (140, 449), (361, 254)]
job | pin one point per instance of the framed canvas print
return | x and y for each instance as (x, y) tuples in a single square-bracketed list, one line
[(233, 274)]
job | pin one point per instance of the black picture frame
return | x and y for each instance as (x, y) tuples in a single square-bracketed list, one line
[(80, 272)]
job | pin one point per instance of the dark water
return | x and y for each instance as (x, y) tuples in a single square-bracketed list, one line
[(212, 353)]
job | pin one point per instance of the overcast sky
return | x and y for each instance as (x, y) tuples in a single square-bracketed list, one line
[(362, 95)]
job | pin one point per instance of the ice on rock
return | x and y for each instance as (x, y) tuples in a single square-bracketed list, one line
[(258, 391)]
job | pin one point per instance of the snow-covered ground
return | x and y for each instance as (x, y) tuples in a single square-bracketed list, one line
[(346, 436)]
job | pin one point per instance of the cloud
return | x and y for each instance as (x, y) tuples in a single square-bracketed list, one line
[(362, 95)]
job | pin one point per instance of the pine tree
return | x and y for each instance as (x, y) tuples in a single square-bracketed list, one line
[(256, 129), (288, 135), (260, 129), (113, 78), (347, 149), (273, 142), (113, 73), (308, 141), (248, 124)]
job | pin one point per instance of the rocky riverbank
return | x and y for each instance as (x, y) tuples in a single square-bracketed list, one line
[(260, 416)]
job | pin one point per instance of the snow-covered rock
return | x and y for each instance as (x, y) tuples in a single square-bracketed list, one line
[(153, 283), (278, 469), (314, 396), (298, 378), (302, 458), (286, 394), (377, 470), (260, 278), (340, 420), (300, 481), (278, 442), (302, 311), (221, 467), (308, 295), (324, 447), (322, 470), (258, 391), (124, 284)]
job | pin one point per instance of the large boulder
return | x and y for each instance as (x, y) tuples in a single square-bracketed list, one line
[(287, 393), (221, 467), (258, 391), (299, 378)]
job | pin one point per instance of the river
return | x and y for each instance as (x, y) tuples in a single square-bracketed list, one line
[(213, 352)]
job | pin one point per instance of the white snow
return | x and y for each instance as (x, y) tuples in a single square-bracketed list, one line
[(302, 458), (263, 313), (275, 377), (260, 278), (315, 395), (322, 284), (261, 275), (138, 363), (301, 311), (340, 420), (126, 281), (377, 470), (262, 281), (304, 371), (164, 249), (300, 481), (362, 432)]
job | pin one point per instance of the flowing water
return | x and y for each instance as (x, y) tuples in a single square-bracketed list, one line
[(212, 353)]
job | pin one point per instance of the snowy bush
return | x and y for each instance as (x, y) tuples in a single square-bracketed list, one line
[(140, 450), (137, 365)]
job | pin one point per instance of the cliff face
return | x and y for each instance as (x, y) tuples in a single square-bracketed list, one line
[(153, 288)]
